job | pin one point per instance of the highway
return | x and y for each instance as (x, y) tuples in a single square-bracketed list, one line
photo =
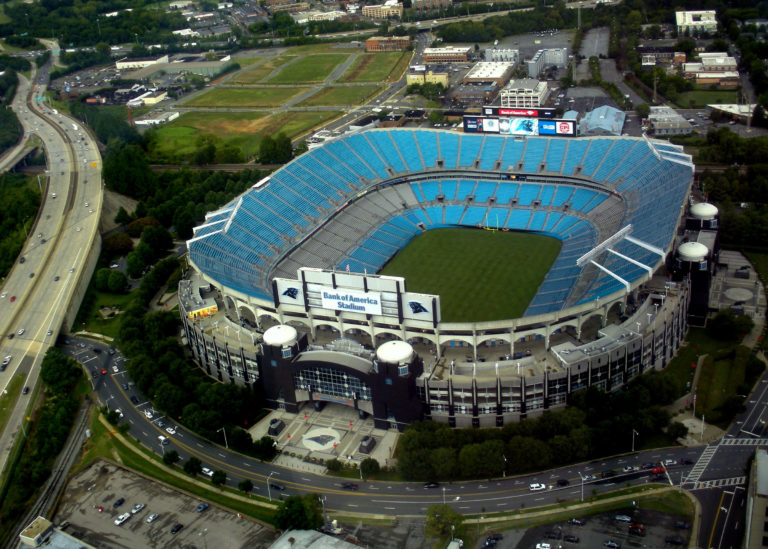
[(53, 264)]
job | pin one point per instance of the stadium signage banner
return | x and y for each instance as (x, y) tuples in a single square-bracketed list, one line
[(520, 126), (524, 113), (339, 299)]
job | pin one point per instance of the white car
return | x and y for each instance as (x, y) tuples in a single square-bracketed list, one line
[(152, 518), (543, 545), (7, 360), (537, 487), (122, 518), (171, 430), (668, 462), (115, 369), (149, 414), (207, 472), (20, 332), (136, 508)]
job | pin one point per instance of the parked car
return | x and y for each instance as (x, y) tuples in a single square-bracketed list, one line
[(202, 507), (118, 503), (136, 508), (674, 540), (623, 518), (576, 522), (176, 528), (571, 539), (122, 518), (152, 518), (612, 544)]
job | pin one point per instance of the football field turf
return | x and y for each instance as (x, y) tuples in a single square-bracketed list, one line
[(480, 275)]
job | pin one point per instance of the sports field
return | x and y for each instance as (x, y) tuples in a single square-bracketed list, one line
[(341, 95), (479, 275), (243, 97), (377, 67), (311, 68)]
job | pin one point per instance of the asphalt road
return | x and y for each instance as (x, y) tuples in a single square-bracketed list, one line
[(37, 292)]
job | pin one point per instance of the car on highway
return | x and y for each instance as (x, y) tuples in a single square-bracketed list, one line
[(176, 528), (3, 295), (349, 486), (25, 390), (13, 298), (122, 518), (432, 485), (56, 278), (277, 486), (7, 360), (20, 332), (152, 518), (49, 332), (563, 482), (205, 471), (136, 508), (537, 487), (202, 507), (118, 503)]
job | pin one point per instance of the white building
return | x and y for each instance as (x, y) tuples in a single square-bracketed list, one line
[(503, 54), (524, 92), (543, 58), (139, 62), (696, 21), (666, 121)]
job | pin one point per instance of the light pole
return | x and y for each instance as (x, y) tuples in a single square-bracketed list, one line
[(223, 430), (162, 448), (107, 402), (633, 440), (269, 492), (582, 487), (443, 495), (504, 471)]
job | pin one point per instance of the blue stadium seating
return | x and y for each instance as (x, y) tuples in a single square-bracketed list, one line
[(491, 151), (263, 224), (449, 148), (528, 193), (469, 151)]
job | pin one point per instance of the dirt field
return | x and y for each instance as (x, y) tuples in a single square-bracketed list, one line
[(103, 483), (112, 203)]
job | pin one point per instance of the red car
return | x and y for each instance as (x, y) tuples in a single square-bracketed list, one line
[(658, 470), (13, 298), (103, 371)]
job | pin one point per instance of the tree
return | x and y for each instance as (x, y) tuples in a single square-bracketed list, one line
[(300, 513), (727, 326), (117, 282), (642, 110), (101, 280), (193, 466), (677, 430), (369, 467), (117, 245), (171, 457), (134, 264), (440, 518), (219, 477), (245, 486)]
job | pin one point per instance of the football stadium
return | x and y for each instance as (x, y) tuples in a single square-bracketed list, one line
[(286, 289)]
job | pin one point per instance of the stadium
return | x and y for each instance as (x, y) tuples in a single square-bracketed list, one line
[(292, 264)]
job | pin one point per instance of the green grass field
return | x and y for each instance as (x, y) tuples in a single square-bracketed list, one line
[(341, 95), (700, 98), (261, 69), (479, 275), (376, 67), (178, 139), (311, 68), (247, 97)]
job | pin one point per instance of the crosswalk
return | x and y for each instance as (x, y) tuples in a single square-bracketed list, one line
[(719, 483), (701, 464), (744, 442)]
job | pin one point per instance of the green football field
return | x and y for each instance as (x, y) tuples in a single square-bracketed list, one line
[(480, 275)]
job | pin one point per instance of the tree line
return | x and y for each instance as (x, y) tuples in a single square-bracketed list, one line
[(46, 435), (17, 190), (586, 429)]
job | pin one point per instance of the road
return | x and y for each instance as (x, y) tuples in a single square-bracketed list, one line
[(52, 265)]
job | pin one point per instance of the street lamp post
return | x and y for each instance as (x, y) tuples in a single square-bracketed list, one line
[(443, 495), (162, 447), (504, 472), (223, 430), (633, 439), (269, 492), (107, 402), (582, 486)]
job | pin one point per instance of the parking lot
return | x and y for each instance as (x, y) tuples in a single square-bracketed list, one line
[(89, 507), (628, 527)]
